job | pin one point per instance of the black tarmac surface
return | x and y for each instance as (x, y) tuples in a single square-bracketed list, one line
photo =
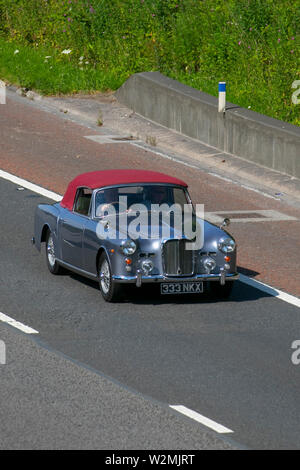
[(229, 361)]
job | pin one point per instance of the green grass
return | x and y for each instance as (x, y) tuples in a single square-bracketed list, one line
[(251, 44), (29, 68)]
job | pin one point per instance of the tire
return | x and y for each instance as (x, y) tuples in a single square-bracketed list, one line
[(52, 264), (221, 292), (111, 291)]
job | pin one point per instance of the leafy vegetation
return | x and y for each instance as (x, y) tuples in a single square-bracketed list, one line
[(77, 45)]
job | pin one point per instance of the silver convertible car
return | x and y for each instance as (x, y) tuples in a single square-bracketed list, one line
[(132, 226)]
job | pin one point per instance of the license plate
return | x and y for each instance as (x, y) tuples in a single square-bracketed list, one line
[(181, 288)]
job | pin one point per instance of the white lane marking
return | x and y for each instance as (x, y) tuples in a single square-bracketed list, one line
[(32, 187), (201, 419), (17, 324), (266, 216), (245, 279), (279, 294)]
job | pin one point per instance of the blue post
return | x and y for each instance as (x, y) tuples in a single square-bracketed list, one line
[(222, 97)]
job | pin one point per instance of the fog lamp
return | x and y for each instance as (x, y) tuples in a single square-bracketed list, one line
[(147, 266), (209, 264)]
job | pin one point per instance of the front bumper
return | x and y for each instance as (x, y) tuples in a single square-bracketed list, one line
[(161, 278)]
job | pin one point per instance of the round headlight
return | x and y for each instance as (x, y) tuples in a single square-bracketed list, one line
[(128, 247), (226, 245)]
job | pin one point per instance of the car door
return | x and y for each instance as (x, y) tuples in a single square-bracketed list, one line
[(72, 228)]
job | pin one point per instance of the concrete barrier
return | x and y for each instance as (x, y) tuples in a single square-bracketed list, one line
[(244, 133)]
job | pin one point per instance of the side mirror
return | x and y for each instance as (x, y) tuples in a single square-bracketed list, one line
[(225, 223)]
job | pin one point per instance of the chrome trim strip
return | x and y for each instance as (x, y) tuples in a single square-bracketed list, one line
[(77, 270), (161, 278), (69, 243)]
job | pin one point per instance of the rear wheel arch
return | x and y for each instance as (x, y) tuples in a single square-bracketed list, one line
[(45, 230)]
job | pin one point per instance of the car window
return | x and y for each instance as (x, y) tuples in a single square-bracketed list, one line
[(83, 201), (180, 197), (146, 194)]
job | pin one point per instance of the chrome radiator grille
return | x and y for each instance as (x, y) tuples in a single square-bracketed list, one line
[(177, 261)]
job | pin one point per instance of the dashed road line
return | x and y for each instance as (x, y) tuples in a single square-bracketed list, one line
[(219, 428)]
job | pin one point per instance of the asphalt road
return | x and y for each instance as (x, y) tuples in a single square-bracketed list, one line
[(49, 149), (51, 402), (229, 361)]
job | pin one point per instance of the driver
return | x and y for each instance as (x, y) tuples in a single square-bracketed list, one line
[(156, 195), (159, 195)]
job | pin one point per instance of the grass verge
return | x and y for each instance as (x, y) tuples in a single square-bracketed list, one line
[(49, 72), (253, 45)]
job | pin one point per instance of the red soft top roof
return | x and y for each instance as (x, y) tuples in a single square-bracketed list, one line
[(100, 179)]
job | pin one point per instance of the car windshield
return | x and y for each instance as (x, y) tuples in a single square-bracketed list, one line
[(147, 196)]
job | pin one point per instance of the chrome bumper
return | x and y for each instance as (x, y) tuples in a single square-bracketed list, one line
[(161, 278)]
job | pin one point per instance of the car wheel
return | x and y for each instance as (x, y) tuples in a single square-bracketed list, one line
[(110, 290), (219, 291), (52, 264)]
